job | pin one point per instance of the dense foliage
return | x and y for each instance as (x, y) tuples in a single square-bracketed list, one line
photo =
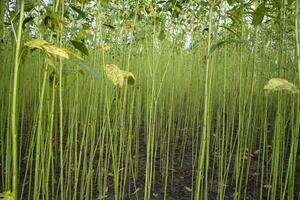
[(161, 99)]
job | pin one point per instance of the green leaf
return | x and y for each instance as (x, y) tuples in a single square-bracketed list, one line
[(162, 35), (278, 84), (220, 44), (79, 11), (52, 21), (231, 30), (28, 5), (258, 14), (87, 69), (80, 46), (26, 20), (216, 46), (130, 77)]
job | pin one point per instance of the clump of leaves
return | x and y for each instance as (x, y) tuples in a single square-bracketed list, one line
[(117, 76), (278, 84)]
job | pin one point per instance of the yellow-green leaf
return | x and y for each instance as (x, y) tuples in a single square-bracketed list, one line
[(114, 74), (48, 47), (128, 25), (277, 84), (117, 76), (36, 43), (57, 51), (7, 196)]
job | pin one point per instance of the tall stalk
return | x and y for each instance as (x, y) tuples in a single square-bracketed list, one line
[(14, 116), (204, 146)]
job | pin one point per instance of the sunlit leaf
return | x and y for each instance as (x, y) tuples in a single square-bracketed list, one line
[(278, 84), (114, 74), (80, 46), (117, 76), (47, 47), (37, 43), (7, 196), (52, 49)]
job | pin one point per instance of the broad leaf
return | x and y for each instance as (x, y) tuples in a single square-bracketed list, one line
[(114, 74), (49, 48), (220, 44), (130, 77), (216, 46), (277, 84), (88, 69), (117, 76), (258, 14), (162, 35), (80, 46), (232, 31), (26, 20)]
